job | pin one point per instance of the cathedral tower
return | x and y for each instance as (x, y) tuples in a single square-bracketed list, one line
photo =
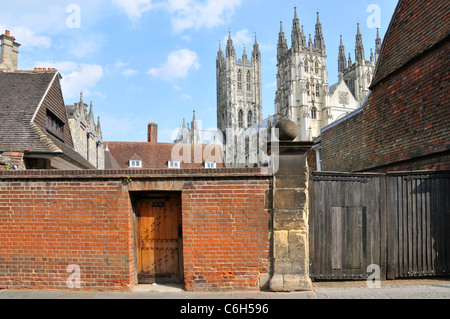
[(239, 88), (302, 79)]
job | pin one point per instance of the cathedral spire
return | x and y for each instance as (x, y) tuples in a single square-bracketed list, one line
[(296, 33), (230, 47), (359, 47), (282, 43), (220, 56), (256, 55), (377, 45), (319, 41), (244, 55), (342, 60)]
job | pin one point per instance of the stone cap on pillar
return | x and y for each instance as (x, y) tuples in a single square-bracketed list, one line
[(287, 133)]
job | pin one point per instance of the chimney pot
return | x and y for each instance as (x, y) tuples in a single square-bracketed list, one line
[(8, 33)]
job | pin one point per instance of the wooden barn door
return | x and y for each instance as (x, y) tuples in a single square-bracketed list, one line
[(158, 227)]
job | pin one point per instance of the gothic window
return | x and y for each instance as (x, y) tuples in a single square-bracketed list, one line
[(241, 119), (307, 88), (306, 66), (248, 81), (239, 80), (314, 113), (369, 80), (317, 90), (316, 67), (249, 118)]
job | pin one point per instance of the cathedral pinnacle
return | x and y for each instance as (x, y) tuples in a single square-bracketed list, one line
[(359, 47)]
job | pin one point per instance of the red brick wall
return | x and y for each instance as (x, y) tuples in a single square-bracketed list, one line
[(52, 219), (45, 226), (404, 122), (225, 234)]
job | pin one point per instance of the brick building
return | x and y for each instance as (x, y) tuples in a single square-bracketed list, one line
[(404, 125)]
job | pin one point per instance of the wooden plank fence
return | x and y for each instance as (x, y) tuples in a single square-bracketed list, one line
[(398, 221)]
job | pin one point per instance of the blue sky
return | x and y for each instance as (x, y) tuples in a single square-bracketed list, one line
[(140, 61)]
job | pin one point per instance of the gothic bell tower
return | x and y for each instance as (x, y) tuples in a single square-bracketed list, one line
[(239, 88)]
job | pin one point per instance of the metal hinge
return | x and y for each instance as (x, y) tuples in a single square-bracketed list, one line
[(340, 179), (430, 272)]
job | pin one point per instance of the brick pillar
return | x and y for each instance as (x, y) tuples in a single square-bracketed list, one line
[(290, 214), (152, 132)]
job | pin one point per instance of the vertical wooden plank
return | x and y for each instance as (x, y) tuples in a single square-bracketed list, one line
[(427, 209), (388, 228), (409, 226), (312, 209), (336, 231), (433, 223), (447, 223), (441, 222), (423, 220), (405, 198)]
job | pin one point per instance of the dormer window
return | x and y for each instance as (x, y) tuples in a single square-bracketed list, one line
[(55, 126), (135, 164), (210, 165), (173, 164)]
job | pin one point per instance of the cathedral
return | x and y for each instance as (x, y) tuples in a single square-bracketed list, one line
[(303, 92)]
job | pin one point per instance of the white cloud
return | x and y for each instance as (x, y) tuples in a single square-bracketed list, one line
[(28, 38), (271, 84), (240, 38), (194, 14), (121, 68), (77, 77), (129, 72), (134, 8), (185, 96), (82, 46), (178, 65)]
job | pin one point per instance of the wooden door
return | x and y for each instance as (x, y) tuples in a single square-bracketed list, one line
[(158, 226)]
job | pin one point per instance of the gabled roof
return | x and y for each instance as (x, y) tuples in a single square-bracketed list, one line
[(416, 26), (22, 93)]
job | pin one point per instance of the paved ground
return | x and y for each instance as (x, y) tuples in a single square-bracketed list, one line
[(399, 289)]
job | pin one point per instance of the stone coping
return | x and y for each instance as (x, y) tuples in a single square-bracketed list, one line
[(136, 173)]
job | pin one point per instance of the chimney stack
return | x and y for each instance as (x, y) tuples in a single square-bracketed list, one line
[(9, 52), (152, 132)]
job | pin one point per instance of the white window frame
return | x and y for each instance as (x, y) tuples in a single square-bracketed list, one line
[(174, 164), (210, 165), (135, 164)]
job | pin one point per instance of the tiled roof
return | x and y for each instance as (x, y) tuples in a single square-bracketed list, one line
[(157, 155), (415, 27), (21, 93)]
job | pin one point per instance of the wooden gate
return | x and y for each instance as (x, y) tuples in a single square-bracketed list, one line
[(400, 222), (158, 234), (418, 210), (345, 219)]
